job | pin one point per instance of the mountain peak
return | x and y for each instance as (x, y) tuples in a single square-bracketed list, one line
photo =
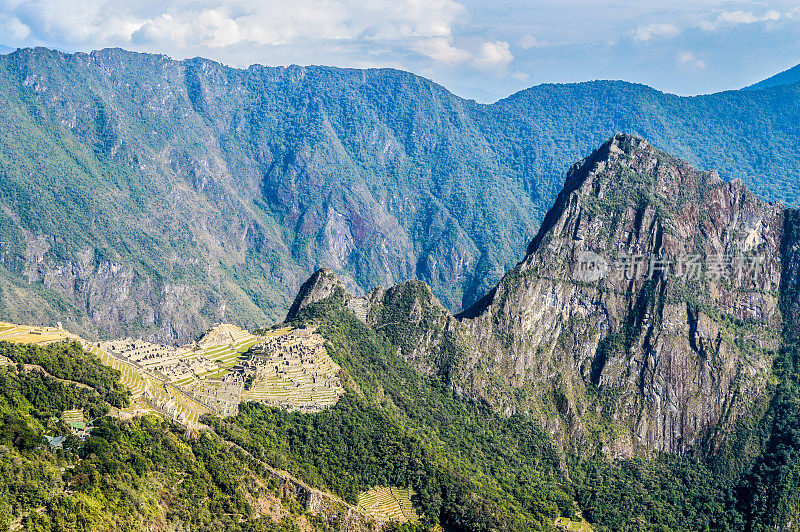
[(626, 172), (604, 289), (322, 284)]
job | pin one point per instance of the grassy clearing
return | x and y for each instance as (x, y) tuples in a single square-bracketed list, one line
[(563, 523), (26, 334), (389, 504)]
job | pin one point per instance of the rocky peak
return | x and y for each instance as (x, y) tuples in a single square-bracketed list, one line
[(322, 284), (648, 301), (625, 172), (644, 318)]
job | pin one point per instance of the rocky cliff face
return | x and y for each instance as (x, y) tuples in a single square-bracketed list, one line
[(647, 303), (644, 317)]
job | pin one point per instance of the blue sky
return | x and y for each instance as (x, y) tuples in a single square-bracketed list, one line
[(478, 50)]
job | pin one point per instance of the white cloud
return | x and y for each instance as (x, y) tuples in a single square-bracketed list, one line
[(493, 56), (441, 49), (11, 29), (223, 23), (158, 30), (645, 33), (528, 41), (209, 28), (736, 18), (367, 31), (688, 59), (747, 17), (218, 29)]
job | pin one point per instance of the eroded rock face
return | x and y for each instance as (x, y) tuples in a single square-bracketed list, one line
[(666, 360)]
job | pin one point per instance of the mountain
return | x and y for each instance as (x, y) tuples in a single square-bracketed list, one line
[(678, 356), (150, 197), (136, 472), (584, 391), (654, 343), (654, 316), (789, 76)]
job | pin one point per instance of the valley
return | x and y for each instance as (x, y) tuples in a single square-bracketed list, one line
[(180, 194)]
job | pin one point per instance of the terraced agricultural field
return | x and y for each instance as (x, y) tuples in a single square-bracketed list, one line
[(279, 391), (209, 376), (389, 503), (73, 416), (563, 523), (26, 334), (132, 378), (182, 408), (292, 369), (224, 344)]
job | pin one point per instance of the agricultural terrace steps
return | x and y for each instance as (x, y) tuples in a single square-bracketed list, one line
[(290, 370)]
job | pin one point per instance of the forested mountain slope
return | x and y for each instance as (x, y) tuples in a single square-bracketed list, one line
[(146, 196), (787, 77), (651, 401)]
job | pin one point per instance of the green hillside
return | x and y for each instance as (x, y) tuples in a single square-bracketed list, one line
[(462, 466), (469, 468)]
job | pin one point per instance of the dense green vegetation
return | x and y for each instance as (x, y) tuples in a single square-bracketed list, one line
[(665, 493), (370, 438), (175, 193), (472, 469), (67, 360), (128, 475)]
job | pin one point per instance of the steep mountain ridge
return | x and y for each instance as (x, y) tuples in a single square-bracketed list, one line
[(221, 176), (787, 77), (630, 394), (665, 342), (674, 360)]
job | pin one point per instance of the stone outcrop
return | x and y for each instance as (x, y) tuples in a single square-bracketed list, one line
[(321, 285)]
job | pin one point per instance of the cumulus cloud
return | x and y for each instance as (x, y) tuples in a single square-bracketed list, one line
[(493, 56), (442, 50), (688, 59), (215, 27), (178, 24), (12, 30), (645, 33)]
